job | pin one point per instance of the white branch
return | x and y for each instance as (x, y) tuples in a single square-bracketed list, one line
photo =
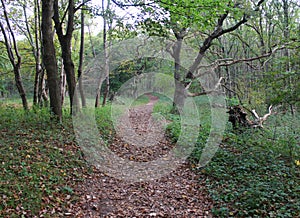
[(206, 92), (260, 120), (264, 118), (255, 114)]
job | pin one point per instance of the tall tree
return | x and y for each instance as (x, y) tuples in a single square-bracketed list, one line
[(37, 54), (107, 26), (49, 58), (212, 19), (65, 40), (13, 54), (81, 57), (107, 16)]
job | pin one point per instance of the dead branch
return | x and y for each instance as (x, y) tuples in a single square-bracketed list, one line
[(225, 62), (218, 84), (238, 117), (260, 120)]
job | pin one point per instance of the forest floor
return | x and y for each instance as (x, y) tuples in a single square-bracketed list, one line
[(181, 193), (45, 173)]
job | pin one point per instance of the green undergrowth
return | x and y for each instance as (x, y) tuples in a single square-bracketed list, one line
[(250, 177), (40, 161), (104, 122), (40, 164), (143, 99), (255, 173)]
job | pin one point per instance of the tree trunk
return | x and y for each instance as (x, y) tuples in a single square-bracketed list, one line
[(20, 86), (37, 53), (105, 50), (16, 62), (91, 41), (81, 57), (286, 34), (70, 73), (62, 83), (65, 43), (179, 95), (238, 118), (49, 58), (106, 91), (97, 98), (43, 99)]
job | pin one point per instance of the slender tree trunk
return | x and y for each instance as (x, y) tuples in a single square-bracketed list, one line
[(98, 92), (43, 99), (38, 68), (62, 83), (286, 34), (105, 50), (49, 58), (16, 62), (81, 57), (91, 41), (20, 86), (65, 43), (43, 90), (179, 95), (70, 74)]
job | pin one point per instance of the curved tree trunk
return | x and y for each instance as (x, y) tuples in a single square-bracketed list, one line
[(70, 73), (15, 61), (65, 41), (20, 87)]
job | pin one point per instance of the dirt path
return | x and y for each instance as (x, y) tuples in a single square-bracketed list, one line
[(179, 194)]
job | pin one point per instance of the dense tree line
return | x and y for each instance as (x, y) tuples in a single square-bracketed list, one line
[(252, 45)]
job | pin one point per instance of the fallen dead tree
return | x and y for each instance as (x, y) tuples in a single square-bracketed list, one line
[(238, 117)]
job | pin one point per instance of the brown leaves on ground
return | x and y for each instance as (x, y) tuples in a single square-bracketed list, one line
[(179, 194)]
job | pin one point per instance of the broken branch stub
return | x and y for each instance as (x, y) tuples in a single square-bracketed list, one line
[(238, 118)]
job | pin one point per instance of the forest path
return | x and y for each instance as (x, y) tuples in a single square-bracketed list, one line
[(178, 194)]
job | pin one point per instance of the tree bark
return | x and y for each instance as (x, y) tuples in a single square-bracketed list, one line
[(49, 59), (63, 84), (179, 95), (65, 43), (106, 22), (91, 41), (81, 57), (37, 53), (16, 62)]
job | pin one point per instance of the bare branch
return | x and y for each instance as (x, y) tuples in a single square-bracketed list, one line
[(65, 14), (81, 5), (260, 120), (255, 114), (244, 42), (188, 86), (237, 115), (121, 5), (264, 118), (229, 61), (219, 31), (14, 42), (206, 92)]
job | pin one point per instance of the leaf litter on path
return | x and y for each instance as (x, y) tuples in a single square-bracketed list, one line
[(181, 193)]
